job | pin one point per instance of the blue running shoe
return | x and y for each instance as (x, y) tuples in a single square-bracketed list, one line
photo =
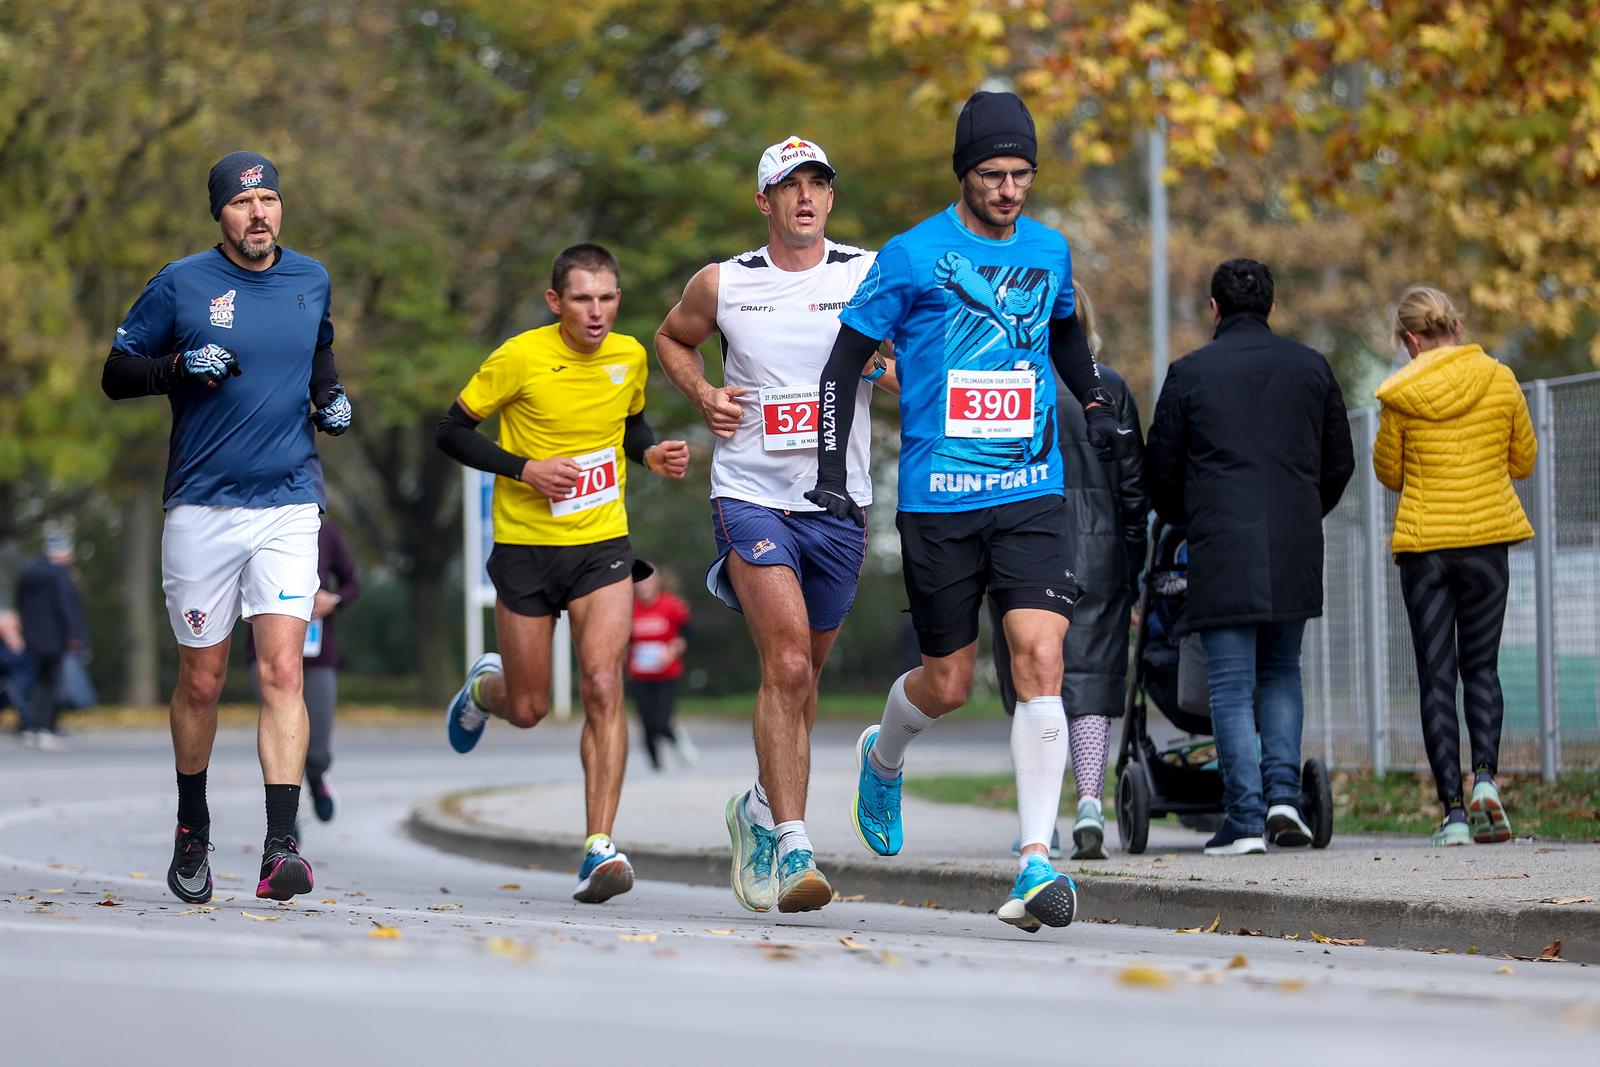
[(605, 873), (1040, 895), (464, 719), (754, 849), (875, 809), (801, 886)]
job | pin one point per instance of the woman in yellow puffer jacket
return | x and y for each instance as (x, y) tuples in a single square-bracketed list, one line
[(1452, 434)]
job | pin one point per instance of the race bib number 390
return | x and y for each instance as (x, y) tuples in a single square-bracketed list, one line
[(788, 417), (989, 404), (597, 484)]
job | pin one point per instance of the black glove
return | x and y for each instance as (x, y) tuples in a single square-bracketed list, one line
[(837, 504), (1111, 439), (333, 411), (211, 364)]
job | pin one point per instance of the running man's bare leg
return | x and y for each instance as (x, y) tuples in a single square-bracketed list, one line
[(942, 683), (521, 694), (201, 672), (283, 731), (602, 623)]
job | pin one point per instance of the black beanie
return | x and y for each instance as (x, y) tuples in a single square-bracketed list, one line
[(993, 124), (239, 172)]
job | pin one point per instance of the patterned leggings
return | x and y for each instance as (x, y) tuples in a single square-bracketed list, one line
[(1087, 735), (1456, 600)]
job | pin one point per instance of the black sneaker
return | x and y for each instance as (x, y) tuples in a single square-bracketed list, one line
[(189, 877), (1230, 842), (284, 873), (1285, 827), (324, 801)]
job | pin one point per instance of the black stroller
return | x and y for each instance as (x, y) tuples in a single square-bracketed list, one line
[(1168, 670)]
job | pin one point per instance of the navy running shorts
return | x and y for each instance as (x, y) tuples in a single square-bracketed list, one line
[(825, 554)]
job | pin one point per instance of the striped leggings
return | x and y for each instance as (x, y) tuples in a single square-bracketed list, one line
[(1456, 600)]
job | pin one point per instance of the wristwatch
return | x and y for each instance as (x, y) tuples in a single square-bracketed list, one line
[(879, 368)]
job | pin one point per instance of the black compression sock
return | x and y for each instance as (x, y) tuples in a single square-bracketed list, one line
[(283, 804), (192, 809)]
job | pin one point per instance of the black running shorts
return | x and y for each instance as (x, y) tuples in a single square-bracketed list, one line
[(542, 580), (1017, 553)]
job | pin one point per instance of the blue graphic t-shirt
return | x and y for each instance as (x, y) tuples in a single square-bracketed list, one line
[(970, 320), (249, 441)]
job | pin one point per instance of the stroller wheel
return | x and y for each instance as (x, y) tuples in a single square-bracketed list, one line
[(1316, 792), (1133, 807)]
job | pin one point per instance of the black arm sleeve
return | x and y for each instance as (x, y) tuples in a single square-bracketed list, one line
[(836, 407), (637, 437), (127, 376), (1069, 351), (324, 376), (457, 437)]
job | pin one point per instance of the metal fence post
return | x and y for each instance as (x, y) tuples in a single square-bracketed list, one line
[(1373, 559), (1544, 571)]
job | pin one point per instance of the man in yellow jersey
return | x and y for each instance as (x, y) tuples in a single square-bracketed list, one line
[(571, 398)]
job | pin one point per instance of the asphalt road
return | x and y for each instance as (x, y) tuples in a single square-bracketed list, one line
[(404, 955)]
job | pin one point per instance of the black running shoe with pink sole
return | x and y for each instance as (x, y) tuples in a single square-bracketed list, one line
[(284, 873), (189, 876)]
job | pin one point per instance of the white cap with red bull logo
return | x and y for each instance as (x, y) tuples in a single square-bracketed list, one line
[(785, 156)]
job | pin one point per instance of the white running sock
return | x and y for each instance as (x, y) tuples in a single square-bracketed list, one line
[(902, 722), (599, 843), (792, 835), (1039, 750), (756, 808)]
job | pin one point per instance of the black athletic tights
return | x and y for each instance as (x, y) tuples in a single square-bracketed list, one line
[(1456, 600), (655, 701)]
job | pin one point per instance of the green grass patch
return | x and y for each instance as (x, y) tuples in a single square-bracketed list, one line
[(991, 791)]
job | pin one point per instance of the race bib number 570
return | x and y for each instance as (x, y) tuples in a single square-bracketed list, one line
[(597, 484), (989, 404)]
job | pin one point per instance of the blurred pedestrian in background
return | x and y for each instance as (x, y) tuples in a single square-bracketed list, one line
[(1453, 432), (53, 627), (1106, 514), (655, 666), (16, 668)]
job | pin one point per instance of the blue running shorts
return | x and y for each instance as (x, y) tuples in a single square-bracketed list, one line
[(824, 553)]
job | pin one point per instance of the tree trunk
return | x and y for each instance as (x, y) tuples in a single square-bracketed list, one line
[(141, 614), (438, 672)]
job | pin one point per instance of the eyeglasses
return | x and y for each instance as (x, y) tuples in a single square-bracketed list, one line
[(994, 179)]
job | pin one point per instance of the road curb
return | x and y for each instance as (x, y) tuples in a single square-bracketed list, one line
[(1521, 931)]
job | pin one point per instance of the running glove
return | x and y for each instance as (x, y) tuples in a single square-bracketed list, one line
[(333, 411), (1111, 439), (838, 504), (211, 364)]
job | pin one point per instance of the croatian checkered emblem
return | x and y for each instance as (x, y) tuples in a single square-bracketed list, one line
[(196, 620)]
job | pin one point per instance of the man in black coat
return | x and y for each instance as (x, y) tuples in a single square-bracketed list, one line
[(53, 625), (1249, 449), (1107, 511)]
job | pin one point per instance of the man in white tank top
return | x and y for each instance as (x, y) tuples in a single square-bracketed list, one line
[(789, 566)]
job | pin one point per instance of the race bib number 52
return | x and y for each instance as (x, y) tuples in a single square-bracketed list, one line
[(989, 404), (789, 417), (597, 484)]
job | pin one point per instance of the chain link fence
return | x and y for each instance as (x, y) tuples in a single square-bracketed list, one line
[(1360, 673)]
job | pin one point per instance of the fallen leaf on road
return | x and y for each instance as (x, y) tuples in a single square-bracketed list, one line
[(1201, 929), (776, 951), (509, 885), (1205, 977), (137, 874), (1321, 940), (851, 899), (260, 918), (384, 933), (1441, 951), (720, 933), (444, 907), (1566, 900), (890, 958), (1103, 921), (854, 946), (1237, 962), (330, 900), (638, 937), (58, 889), (1245, 931), (228, 877), (1552, 951), (511, 949), (115, 904), (1502, 969), (1292, 985), (1291, 937), (1140, 974)]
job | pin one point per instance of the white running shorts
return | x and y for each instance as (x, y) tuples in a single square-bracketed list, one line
[(219, 564)]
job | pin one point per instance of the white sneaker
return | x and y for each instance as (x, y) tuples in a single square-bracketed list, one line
[(28, 739), (50, 741), (1285, 827), (684, 748)]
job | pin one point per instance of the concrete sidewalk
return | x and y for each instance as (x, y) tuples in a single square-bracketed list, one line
[(1386, 890)]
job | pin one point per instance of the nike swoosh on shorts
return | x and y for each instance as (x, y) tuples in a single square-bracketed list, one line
[(297, 596)]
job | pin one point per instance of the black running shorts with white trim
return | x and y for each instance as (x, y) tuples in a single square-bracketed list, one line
[(1017, 553), (539, 580)]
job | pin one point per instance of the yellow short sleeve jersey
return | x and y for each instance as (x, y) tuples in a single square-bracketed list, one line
[(557, 402)]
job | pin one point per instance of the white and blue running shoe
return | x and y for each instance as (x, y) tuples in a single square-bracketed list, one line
[(801, 887), (605, 873), (754, 850), (1040, 896), (875, 809), (465, 719)]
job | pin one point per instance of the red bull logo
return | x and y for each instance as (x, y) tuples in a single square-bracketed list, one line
[(250, 177), (222, 310)]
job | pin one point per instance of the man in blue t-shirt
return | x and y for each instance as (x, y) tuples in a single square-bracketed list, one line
[(239, 340), (978, 303)]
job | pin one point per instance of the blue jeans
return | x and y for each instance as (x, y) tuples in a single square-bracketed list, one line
[(1243, 662)]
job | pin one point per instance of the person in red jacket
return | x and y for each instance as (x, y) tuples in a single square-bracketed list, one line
[(655, 664)]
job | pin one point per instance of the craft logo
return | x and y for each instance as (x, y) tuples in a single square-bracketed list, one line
[(761, 548), (757, 307), (250, 177), (196, 620), (222, 310), (617, 372), (831, 305)]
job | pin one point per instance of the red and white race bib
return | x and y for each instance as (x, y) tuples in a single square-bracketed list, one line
[(788, 417), (597, 484), (989, 404)]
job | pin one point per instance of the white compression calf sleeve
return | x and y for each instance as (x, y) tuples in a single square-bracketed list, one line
[(1039, 751), (901, 723)]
